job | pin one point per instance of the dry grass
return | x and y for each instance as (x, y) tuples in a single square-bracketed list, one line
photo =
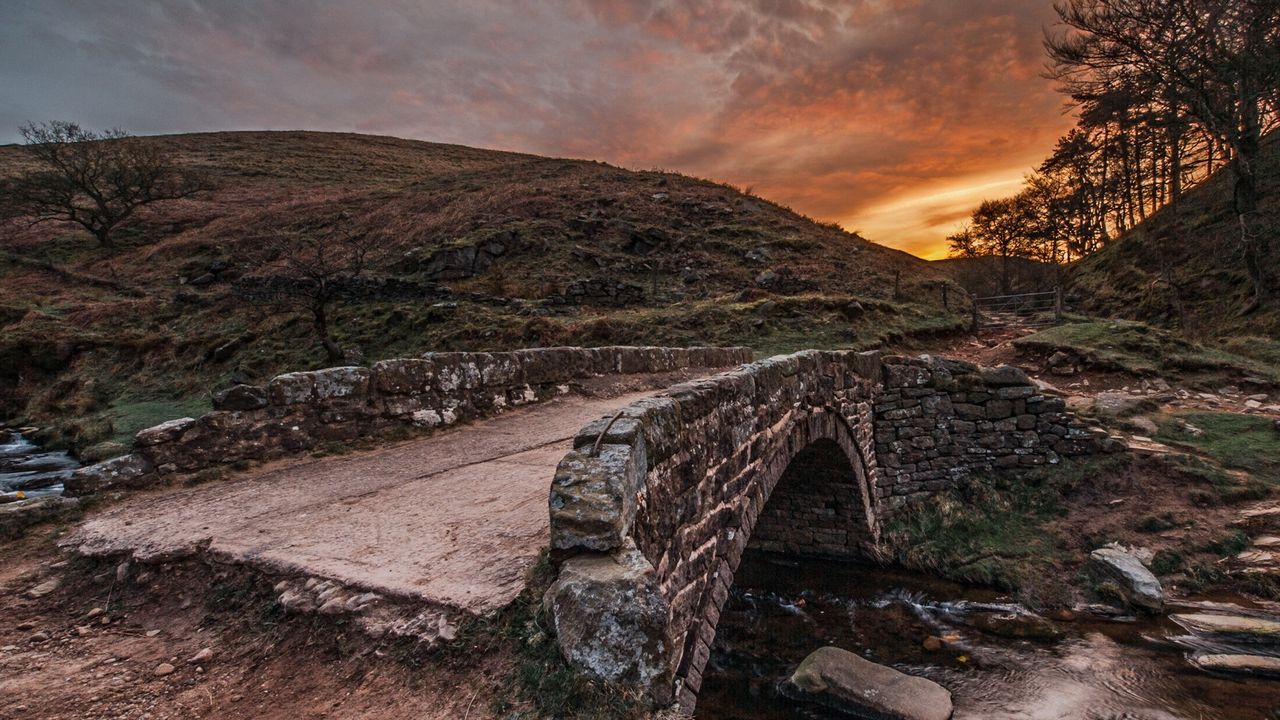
[(413, 198)]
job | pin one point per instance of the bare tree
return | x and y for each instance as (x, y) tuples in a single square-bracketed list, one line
[(94, 179), (1213, 62), (311, 270)]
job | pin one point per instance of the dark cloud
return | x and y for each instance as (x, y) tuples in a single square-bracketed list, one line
[(845, 110)]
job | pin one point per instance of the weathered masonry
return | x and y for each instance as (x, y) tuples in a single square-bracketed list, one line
[(299, 411), (805, 453)]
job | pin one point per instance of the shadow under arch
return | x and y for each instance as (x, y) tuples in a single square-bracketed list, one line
[(811, 494)]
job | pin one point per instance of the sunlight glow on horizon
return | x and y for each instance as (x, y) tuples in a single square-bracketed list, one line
[(919, 221)]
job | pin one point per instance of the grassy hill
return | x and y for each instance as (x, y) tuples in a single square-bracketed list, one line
[(1182, 267), (475, 250)]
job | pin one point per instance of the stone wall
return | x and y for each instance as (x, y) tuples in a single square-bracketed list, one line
[(654, 507), (813, 511), (937, 421), (299, 411)]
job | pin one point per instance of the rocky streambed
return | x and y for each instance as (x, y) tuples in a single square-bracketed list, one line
[(27, 471), (1209, 658)]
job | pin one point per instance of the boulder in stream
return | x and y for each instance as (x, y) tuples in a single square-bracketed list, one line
[(846, 682), (1123, 574)]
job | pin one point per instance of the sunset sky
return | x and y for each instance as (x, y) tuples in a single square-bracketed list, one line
[(891, 117)]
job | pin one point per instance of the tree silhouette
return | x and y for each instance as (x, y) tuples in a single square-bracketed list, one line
[(94, 179)]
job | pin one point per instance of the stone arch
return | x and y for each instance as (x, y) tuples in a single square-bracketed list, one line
[(812, 494), (652, 510)]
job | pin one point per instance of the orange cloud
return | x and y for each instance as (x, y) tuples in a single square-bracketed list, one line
[(892, 117)]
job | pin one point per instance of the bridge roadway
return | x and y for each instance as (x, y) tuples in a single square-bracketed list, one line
[(454, 519)]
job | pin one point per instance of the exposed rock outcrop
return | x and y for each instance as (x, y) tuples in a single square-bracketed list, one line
[(1235, 627)]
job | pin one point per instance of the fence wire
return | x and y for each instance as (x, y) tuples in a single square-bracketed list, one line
[(1022, 310)]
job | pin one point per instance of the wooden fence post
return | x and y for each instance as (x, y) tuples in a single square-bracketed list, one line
[(976, 323), (1057, 303)]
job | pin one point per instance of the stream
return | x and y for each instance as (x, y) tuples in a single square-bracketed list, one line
[(1088, 668), (28, 471)]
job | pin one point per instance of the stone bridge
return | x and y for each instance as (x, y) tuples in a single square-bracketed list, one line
[(806, 453), (650, 511)]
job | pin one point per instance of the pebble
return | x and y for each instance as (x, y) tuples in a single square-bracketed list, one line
[(932, 644), (205, 655), (44, 588), (94, 613), (38, 637), (152, 633), (163, 669)]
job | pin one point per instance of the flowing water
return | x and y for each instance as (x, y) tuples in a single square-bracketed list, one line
[(1090, 668), (28, 471)]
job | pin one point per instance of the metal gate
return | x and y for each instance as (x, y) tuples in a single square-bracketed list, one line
[(1024, 310)]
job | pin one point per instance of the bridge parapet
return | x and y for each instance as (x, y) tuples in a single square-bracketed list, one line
[(299, 411), (811, 449)]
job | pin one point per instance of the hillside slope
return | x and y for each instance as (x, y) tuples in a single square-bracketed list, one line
[(475, 250), (1182, 267)]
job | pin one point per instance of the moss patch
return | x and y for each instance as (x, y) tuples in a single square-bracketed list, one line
[(992, 531), (1246, 443), (1140, 349)]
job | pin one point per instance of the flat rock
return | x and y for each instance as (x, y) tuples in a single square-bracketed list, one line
[(1261, 665), (1146, 425), (1131, 580), (1121, 404), (1264, 517), (844, 681), (44, 588), (1235, 626)]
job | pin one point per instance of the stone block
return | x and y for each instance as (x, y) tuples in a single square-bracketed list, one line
[(241, 397), (292, 389), (999, 409), (163, 433), (342, 382), (127, 471), (610, 621), (1004, 376), (404, 376), (593, 497)]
